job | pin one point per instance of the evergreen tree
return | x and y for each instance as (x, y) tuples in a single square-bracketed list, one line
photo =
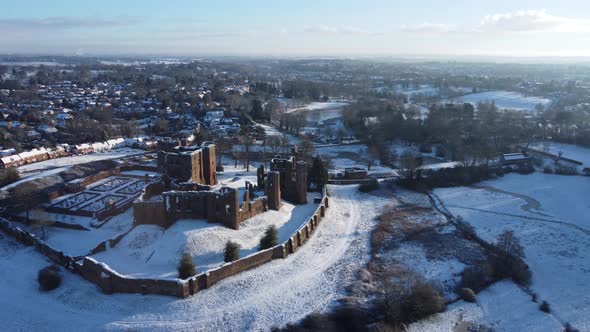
[(186, 268), (270, 238)]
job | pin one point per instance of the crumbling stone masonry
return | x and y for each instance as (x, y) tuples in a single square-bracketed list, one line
[(195, 200), (293, 178), (198, 166), (272, 189), (216, 206)]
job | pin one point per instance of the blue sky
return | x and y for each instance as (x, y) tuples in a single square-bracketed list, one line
[(283, 28)]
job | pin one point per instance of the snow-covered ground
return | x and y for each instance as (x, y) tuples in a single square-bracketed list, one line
[(352, 155), (549, 214), (576, 152), (74, 160), (319, 106), (282, 291), (270, 130), (152, 251), (505, 100), (437, 166), (501, 307), (424, 89), (319, 111), (54, 166), (444, 272), (79, 242)]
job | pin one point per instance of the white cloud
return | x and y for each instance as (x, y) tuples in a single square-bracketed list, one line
[(428, 27), (68, 22), (50, 24), (342, 30), (519, 21), (533, 21)]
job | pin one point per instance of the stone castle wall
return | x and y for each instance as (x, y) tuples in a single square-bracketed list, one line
[(215, 206), (112, 282)]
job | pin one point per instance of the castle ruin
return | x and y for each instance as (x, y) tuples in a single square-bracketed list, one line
[(199, 199)]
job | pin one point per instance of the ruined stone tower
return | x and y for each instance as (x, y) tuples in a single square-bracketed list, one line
[(293, 178), (198, 166), (272, 190)]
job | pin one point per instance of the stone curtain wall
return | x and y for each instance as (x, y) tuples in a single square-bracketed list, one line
[(215, 207), (112, 282), (150, 213), (29, 239), (298, 239)]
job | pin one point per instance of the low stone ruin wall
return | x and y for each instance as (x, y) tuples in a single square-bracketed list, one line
[(252, 208), (29, 239), (112, 282), (135, 167)]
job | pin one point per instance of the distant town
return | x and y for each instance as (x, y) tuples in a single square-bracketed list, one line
[(286, 194)]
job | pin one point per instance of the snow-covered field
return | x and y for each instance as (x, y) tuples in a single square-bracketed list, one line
[(319, 111), (423, 89), (320, 106), (505, 100), (501, 307), (353, 155), (549, 213), (576, 152), (282, 291)]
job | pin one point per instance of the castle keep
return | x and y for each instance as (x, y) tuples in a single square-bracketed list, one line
[(197, 166), (293, 178)]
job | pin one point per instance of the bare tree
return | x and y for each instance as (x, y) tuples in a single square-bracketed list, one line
[(221, 144), (298, 122), (408, 165), (340, 134), (247, 141), (509, 245), (329, 132), (26, 197), (306, 149), (275, 143), (373, 155), (42, 220)]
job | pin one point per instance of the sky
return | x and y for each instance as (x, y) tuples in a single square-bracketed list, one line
[(516, 28)]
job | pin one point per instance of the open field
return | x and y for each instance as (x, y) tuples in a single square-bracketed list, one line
[(570, 151), (501, 307), (505, 100), (549, 215)]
